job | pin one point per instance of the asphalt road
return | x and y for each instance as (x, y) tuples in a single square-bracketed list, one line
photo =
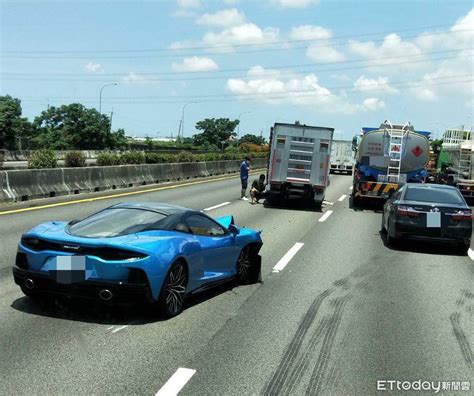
[(345, 312)]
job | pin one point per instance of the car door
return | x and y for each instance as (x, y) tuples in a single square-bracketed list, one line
[(219, 251), (388, 207)]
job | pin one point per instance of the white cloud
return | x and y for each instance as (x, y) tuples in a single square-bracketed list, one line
[(295, 3), (248, 33), (231, 1), (226, 39), (470, 104), (140, 79), (222, 18), (321, 51), (93, 67), (324, 53), (309, 32), (423, 93), (188, 3), (387, 53), (195, 64), (365, 84), (372, 104), (269, 86)]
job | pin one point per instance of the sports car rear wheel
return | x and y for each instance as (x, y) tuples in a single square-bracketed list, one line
[(174, 290)]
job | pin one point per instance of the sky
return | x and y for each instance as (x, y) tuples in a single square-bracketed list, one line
[(336, 63)]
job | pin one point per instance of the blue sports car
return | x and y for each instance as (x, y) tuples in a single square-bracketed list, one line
[(147, 251)]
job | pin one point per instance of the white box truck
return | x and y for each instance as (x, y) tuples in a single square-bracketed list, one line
[(342, 157), (299, 162)]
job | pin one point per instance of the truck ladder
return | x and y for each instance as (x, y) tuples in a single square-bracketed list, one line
[(395, 150), (464, 169)]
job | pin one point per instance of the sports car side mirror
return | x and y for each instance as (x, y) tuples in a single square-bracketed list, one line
[(233, 229)]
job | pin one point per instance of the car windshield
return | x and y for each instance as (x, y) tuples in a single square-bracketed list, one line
[(115, 222), (434, 195)]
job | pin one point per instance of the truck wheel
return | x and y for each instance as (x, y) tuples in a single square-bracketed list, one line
[(463, 247)]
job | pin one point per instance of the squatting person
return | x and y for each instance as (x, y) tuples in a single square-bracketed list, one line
[(257, 191)]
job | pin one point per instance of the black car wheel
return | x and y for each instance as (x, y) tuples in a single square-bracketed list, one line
[(244, 265), (174, 290)]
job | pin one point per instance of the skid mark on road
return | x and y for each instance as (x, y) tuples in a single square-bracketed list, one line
[(319, 371), (461, 338), (280, 377)]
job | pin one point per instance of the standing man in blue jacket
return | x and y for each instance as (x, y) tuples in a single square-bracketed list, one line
[(244, 177)]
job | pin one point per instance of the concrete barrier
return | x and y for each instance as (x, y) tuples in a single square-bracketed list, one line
[(22, 185)]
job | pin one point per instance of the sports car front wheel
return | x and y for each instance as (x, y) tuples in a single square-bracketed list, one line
[(174, 290), (249, 265)]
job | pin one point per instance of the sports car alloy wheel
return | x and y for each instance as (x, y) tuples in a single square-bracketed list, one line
[(174, 290), (244, 264)]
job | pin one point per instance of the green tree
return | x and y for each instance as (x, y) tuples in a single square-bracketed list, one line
[(15, 130), (214, 131), (73, 127), (249, 138), (149, 143)]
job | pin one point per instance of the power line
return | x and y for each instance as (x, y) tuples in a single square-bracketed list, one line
[(384, 62), (275, 96), (212, 49), (167, 49)]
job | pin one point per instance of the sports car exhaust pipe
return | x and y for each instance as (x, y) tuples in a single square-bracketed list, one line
[(29, 284), (106, 295)]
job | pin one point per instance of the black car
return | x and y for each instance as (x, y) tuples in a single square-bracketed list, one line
[(428, 211)]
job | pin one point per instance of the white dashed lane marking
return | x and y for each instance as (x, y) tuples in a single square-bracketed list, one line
[(287, 257), (176, 382), (217, 206), (342, 198), (325, 216)]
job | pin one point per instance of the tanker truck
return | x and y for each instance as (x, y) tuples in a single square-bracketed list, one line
[(387, 157)]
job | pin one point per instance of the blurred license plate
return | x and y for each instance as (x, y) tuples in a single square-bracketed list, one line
[(69, 269), (433, 219)]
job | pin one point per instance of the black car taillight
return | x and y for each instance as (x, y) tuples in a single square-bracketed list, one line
[(462, 215), (21, 261), (137, 276), (407, 211)]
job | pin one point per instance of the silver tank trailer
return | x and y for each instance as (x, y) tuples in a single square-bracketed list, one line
[(373, 151)]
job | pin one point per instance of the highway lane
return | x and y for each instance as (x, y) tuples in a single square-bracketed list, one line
[(344, 312), (83, 335)]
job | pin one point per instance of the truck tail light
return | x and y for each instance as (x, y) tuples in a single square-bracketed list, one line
[(406, 211), (462, 215)]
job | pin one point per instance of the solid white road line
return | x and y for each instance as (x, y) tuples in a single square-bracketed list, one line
[(110, 328), (470, 253), (325, 216), (176, 382), (342, 198), (217, 206), (287, 257)]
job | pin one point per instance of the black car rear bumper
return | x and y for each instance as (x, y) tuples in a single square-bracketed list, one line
[(120, 292), (433, 234)]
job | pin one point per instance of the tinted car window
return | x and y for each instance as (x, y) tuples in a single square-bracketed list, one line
[(201, 225), (115, 222), (434, 195)]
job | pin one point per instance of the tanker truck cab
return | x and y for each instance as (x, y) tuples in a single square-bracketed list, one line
[(387, 157), (299, 162)]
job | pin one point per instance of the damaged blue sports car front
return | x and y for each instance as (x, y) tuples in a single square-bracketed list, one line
[(137, 251)]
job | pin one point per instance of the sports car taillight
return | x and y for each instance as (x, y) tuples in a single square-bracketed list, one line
[(112, 254), (407, 211), (462, 215)]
